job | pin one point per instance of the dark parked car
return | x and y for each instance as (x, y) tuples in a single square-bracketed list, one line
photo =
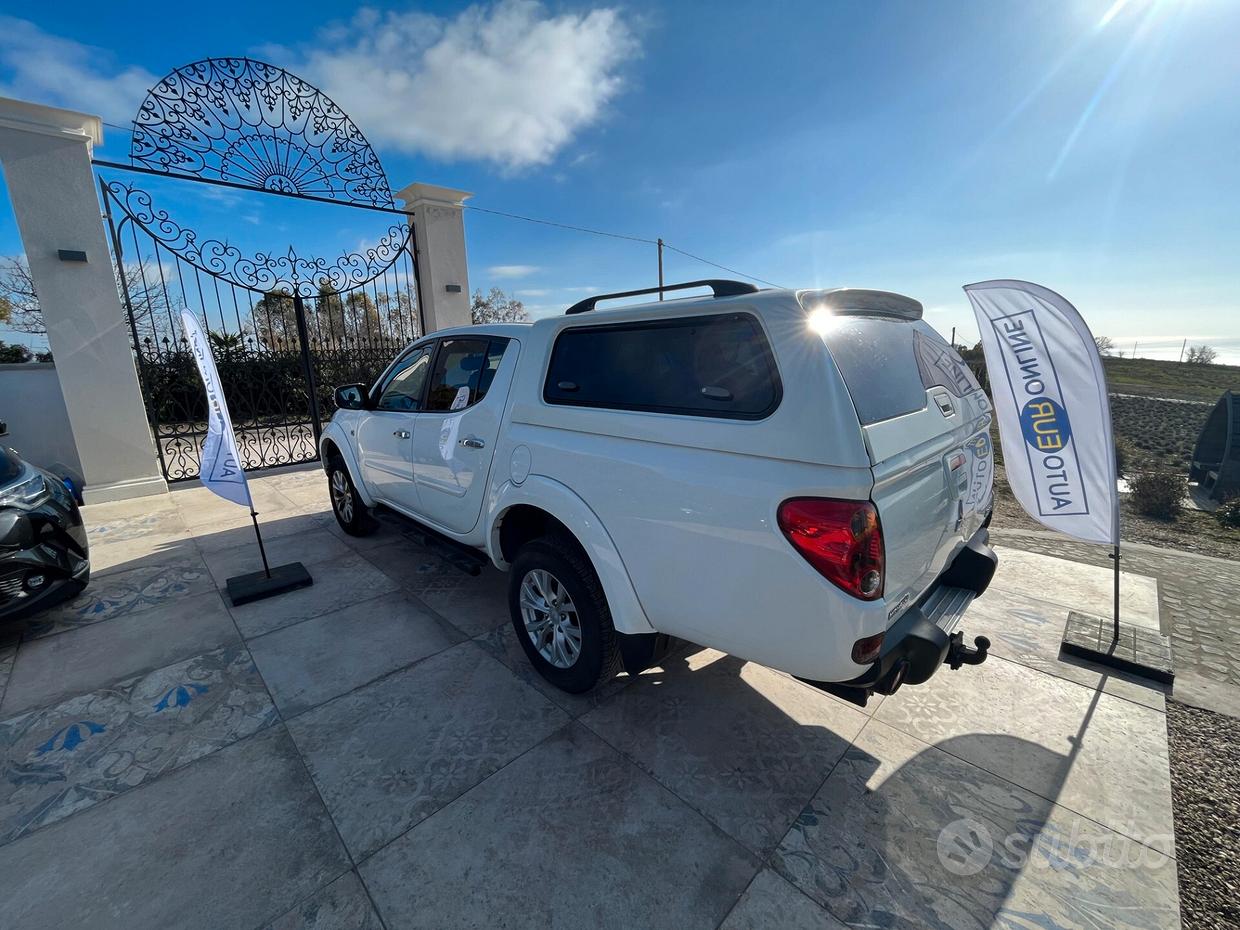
[(43, 554)]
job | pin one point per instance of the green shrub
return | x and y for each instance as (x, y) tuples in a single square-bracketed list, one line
[(1123, 457), (1228, 513), (1158, 494)]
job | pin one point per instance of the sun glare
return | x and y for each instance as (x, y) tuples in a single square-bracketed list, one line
[(1116, 8), (822, 320)]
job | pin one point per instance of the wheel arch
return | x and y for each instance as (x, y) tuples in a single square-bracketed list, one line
[(333, 443), (542, 504)]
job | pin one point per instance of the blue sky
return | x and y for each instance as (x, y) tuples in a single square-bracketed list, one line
[(916, 147)]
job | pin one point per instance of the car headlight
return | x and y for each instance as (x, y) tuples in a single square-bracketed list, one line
[(29, 492)]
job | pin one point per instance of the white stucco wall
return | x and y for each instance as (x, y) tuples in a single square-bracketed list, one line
[(45, 152), (34, 409)]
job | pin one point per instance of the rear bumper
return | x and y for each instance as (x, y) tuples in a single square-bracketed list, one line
[(925, 636)]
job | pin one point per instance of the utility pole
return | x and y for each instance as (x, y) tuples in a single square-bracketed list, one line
[(660, 268), (1183, 347)]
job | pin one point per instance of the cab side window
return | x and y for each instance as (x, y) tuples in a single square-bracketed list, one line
[(464, 369), (403, 390)]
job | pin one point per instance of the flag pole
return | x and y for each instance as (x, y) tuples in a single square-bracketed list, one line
[(1115, 556), (1115, 553), (267, 568)]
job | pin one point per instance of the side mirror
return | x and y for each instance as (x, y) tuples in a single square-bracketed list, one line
[(351, 397), (16, 531)]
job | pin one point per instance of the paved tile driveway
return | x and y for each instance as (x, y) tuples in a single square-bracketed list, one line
[(375, 752)]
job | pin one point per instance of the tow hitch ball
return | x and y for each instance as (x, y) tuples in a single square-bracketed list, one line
[(959, 654)]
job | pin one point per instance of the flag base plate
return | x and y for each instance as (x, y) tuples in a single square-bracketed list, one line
[(242, 589), (1138, 651)]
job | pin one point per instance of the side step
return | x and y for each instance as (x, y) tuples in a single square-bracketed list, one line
[(466, 558)]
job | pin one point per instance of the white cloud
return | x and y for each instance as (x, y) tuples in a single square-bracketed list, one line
[(513, 271), (48, 69), (532, 292), (510, 83)]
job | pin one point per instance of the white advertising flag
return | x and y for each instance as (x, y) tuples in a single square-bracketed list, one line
[(221, 465), (1050, 396)]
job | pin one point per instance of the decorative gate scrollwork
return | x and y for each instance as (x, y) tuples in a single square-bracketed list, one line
[(284, 326), (251, 123)]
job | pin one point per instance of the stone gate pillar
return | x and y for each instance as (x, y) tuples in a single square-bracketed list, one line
[(45, 153), (439, 234)]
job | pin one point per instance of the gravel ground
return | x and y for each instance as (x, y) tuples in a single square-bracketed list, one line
[(1205, 792)]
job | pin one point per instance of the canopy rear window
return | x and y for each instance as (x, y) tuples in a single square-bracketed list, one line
[(705, 366), (877, 359)]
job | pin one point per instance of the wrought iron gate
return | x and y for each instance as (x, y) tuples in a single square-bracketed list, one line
[(285, 328)]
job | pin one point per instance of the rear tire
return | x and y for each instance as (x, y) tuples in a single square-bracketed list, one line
[(561, 616), (351, 511)]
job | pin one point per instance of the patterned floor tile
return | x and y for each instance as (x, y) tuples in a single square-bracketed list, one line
[(122, 539), (1030, 631), (311, 545), (62, 759), (151, 523), (1079, 587), (394, 752), (312, 662), (342, 905), (749, 768), (570, 835), (906, 835), (204, 512), (273, 526), (502, 643), (156, 582), (228, 842), (54, 668), (770, 903), (475, 604), (338, 583), (7, 655), (1101, 756)]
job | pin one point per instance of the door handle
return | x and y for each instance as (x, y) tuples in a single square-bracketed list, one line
[(401, 434), (473, 442)]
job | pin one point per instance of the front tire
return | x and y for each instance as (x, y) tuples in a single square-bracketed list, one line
[(351, 511), (561, 616)]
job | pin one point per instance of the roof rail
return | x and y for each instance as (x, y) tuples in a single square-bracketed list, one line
[(721, 287)]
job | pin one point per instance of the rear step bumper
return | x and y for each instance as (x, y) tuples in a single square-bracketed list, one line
[(925, 636)]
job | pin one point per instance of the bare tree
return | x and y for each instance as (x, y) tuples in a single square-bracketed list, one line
[(1105, 344), (19, 306), (497, 307), (153, 306), (1201, 355), (275, 322)]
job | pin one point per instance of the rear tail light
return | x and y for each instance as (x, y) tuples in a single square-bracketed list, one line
[(841, 539)]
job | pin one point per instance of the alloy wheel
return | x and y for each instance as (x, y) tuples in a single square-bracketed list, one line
[(550, 618), (342, 495)]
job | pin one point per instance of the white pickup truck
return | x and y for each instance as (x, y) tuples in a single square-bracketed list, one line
[(798, 478)]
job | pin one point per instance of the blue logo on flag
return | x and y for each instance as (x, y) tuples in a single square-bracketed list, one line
[(1045, 425)]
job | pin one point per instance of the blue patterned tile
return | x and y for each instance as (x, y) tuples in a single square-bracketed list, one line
[(155, 584), (161, 523), (85, 750)]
